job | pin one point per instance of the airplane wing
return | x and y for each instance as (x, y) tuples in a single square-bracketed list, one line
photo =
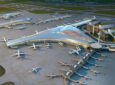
[(15, 54), (21, 53), (64, 81)]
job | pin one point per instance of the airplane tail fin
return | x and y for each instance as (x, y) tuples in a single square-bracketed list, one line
[(36, 31), (94, 17), (33, 46), (4, 39)]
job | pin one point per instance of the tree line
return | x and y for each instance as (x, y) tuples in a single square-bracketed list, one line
[(71, 1)]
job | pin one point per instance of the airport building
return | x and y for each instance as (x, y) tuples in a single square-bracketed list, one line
[(95, 28)]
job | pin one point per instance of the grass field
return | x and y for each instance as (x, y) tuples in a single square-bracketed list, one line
[(18, 1), (106, 7), (2, 71), (105, 23), (41, 11), (66, 7), (3, 2), (106, 12), (73, 7), (8, 83), (113, 28), (3, 9)]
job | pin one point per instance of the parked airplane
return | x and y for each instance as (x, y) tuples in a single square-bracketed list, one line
[(51, 76), (99, 59), (36, 31), (64, 63), (72, 66), (16, 22), (19, 54), (81, 75), (61, 43), (111, 32), (74, 51), (76, 59), (78, 48), (4, 39), (84, 60), (48, 45), (35, 70), (91, 70), (65, 75), (34, 46), (9, 15)]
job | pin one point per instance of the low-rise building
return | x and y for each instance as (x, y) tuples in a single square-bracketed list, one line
[(94, 28)]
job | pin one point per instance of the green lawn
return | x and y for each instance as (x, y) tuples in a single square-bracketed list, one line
[(3, 9), (3, 2), (60, 6), (8, 83), (41, 11), (66, 7), (113, 28), (2, 71), (19, 1), (106, 7), (114, 34), (105, 23), (73, 7), (106, 12)]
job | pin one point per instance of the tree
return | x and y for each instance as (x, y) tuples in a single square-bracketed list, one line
[(99, 1)]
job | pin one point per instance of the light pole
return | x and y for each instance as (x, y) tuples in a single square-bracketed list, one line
[(93, 29), (99, 36)]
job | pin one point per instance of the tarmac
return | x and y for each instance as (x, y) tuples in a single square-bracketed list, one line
[(18, 70)]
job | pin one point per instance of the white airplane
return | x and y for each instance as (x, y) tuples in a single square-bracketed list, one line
[(16, 22), (66, 76), (48, 45), (19, 54), (61, 43), (35, 70), (111, 32), (9, 15), (76, 59), (4, 39), (36, 31), (81, 75), (51, 76), (78, 48), (95, 72), (99, 59), (64, 63), (74, 51), (34, 46)]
